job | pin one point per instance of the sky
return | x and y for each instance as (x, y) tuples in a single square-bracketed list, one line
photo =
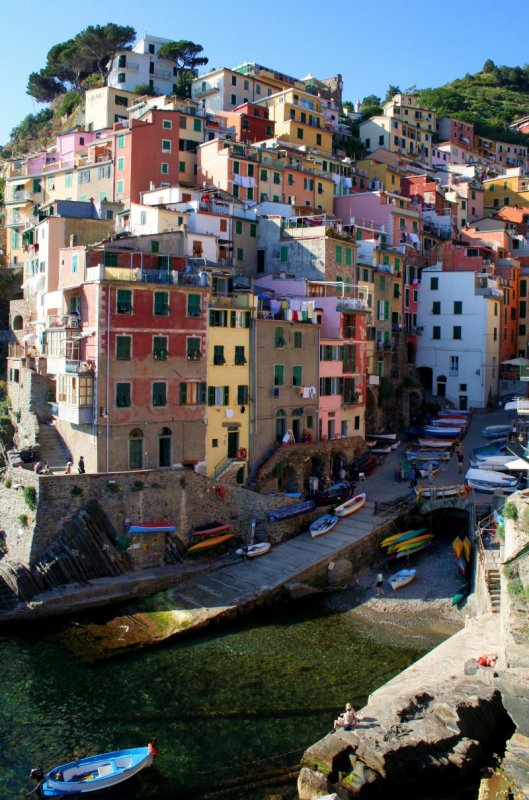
[(371, 43)]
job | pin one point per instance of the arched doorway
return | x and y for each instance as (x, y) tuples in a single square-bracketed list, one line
[(425, 376), (288, 480), (281, 424), (441, 386), (164, 447), (136, 449)]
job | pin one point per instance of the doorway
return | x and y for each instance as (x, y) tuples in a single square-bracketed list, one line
[(233, 443), (164, 448)]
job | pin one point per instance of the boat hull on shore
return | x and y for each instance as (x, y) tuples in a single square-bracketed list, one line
[(402, 578)]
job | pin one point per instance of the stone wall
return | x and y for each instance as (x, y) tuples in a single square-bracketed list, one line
[(290, 467), (29, 402), (180, 497)]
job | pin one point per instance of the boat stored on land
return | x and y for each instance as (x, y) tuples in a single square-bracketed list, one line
[(254, 550), (420, 454), (291, 511), (436, 443), (336, 493), (414, 548), (210, 529), (402, 578), (351, 505), (488, 481), (498, 463), (442, 431), (93, 773), (323, 525), (409, 544), (209, 544), (152, 527), (495, 431)]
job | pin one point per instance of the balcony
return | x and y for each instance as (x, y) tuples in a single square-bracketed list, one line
[(229, 301), (351, 304), (19, 198), (78, 415)]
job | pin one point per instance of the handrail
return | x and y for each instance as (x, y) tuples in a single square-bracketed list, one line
[(220, 466)]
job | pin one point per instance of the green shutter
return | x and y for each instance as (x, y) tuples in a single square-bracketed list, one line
[(161, 304), (202, 392), (242, 395), (123, 348), (283, 254), (183, 394), (226, 395), (211, 396), (386, 309), (297, 376), (155, 246)]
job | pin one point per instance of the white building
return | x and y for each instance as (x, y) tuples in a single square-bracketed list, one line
[(141, 66), (459, 314)]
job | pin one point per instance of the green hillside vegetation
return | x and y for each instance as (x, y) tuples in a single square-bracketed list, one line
[(491, 99)]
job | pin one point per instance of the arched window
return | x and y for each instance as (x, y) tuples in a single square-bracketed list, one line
[(18, 323), (164, 447), (136, 449), (281, 424)]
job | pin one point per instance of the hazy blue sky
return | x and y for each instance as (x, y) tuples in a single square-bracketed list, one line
[(372, 43)]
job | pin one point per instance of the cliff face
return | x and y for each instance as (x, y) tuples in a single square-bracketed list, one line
[(439, 734)]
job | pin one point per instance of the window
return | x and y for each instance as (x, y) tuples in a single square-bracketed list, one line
[(300, 133), (120, 187), (121, 77), (121, 101), (164, 168), (240, 254), (123, 395), (166, 145), (234, 99), (192, 393), (194, 305), (338, 253), (124, 301), (143, 217), (436, 332), (121, 165), (236, 168), (458, 306), (240, 358), (218, 319), (159, 393), (279, 339), (68, 180), (434, 284), (297, 376), (277, 178), (238, 227), (253, 230), (155, 246), (454, 365), (457, 332), (75, 262), (181, 166), (436, 309), (159, 348), (264, 175), (242, 395), (197, 125), (193, 348), (234, 80), (298, 340), (218, 355), (167, 123), (161, 304), (123, 348), (283, 253), (279, 375), (218, 395), (121, 140)]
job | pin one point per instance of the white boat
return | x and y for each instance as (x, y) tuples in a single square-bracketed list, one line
[(488, 481), (444, 431), (495, 463), (495, 431), (451, 412), (437, 492), (323, 525), (386, 437), (441, 443), (351, 505), (253, 550), (446, 422), (402, 578)]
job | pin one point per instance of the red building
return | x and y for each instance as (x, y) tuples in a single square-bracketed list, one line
[(251, 123)]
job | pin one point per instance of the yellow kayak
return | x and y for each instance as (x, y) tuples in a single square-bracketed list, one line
[(208, 543), (390, 539), (457, 546), (399, 546)]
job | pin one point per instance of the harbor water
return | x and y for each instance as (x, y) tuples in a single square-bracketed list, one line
[(231, 710)]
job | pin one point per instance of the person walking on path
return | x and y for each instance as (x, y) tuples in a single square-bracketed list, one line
[(430, 473), (80, 466), (460, 458), (379, 583), (413, 479)]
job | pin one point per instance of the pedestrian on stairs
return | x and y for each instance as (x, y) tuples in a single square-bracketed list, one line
[(80, 466)]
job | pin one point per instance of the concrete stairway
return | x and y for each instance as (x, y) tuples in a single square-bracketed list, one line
[(52, 447), (494, 586)]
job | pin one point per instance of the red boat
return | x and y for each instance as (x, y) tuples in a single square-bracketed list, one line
[(211, 529)]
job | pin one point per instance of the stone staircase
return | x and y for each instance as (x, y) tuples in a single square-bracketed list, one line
[(52, 447), (494, 587)]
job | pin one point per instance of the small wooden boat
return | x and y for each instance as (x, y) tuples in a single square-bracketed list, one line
[(351, 505), (457, 422), (439, 492), (402, 578), (323, 525), (291, 511), (93, 773), (420, 454), (497, 463), (253, 550), (386, 437), (210, 529), (365, 463), (488, 481), (152, 527), (381, 450), (436, 443), (442, 431), (208, 544), (495, 431), (492, 449), (336, 493)]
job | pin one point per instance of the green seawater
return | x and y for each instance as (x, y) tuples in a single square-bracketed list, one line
[(236, 703)]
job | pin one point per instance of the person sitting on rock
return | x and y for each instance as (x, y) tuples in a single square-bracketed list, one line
[(347, 719)]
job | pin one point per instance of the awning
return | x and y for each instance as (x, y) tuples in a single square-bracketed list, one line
[(517, 362)]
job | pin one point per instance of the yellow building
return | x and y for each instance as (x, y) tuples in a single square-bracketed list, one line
[(405, 127), (228, 378), (505, 190), (378, 172), (299, 119)]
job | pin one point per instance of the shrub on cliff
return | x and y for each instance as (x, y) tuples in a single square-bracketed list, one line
[(30, 496)]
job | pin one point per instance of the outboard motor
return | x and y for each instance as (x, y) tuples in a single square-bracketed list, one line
[(37, 774)]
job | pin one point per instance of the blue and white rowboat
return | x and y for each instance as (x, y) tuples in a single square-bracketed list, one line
[(488, 481), (93, 773)]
